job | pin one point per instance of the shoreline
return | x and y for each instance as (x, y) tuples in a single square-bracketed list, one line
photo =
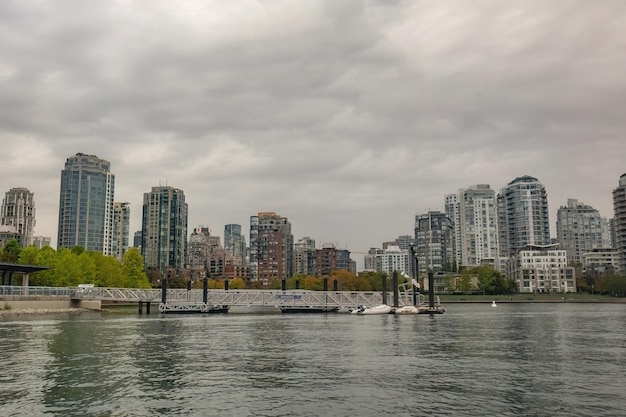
[(35, 311)]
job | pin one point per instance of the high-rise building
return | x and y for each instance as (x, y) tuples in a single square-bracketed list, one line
[(619, 205), (393, 259), (164, 228), (199, 247), (473, 211), (434, 237), (330, 259), (137, 240), (235, 242), (86, 204), (271, 247), (522, 215), (121, 230), (17, 213), (579, 229), (305, 257)]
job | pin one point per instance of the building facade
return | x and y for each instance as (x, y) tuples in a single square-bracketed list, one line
[(600, 262), (235, 242), (86, 204), (434, 242), (164, 228), (522, 215), (473, 212), (271, 247), (121, 230), (579, 229), (542, 269), (329, 259), (393, 258), (17, 214), (619, 206), (305, 257), (41, 241)]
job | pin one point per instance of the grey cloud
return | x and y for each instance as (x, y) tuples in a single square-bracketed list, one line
[(348, 117)]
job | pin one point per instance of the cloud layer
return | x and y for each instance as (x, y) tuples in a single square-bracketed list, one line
[(347, 117)]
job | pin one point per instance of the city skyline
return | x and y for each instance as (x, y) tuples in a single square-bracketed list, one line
[(217, 230), (347, 118)]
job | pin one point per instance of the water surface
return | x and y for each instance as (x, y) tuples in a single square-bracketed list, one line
[(474, 360)]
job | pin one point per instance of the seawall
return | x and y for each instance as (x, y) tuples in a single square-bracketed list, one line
[(46, 303)]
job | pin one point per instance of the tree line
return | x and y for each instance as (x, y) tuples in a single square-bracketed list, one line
[(71, 267)]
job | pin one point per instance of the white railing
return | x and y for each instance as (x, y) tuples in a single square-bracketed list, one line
[(263, 298), (20, 291)]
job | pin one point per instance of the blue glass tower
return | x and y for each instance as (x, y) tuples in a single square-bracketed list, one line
[(86, 204)]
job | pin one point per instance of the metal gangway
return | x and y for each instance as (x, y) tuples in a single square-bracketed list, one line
[(182, 300)]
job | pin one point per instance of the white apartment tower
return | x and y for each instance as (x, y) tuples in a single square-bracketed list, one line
[(121, 230), (619, 205), (579, 229), (17, 214), (522, 215), (473, 212)]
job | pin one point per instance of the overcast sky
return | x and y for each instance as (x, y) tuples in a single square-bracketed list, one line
[(347, 117)]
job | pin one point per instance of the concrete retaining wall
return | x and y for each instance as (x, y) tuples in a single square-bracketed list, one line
[(22, 304)]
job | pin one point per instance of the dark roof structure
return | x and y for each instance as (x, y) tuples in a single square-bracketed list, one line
[(25, 269)]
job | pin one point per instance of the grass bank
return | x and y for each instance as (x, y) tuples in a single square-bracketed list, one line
[(532, 298)]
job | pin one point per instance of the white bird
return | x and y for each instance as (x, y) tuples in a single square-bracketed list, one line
[(493, 304)]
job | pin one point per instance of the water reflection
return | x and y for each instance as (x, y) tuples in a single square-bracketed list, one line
[(512, 361)]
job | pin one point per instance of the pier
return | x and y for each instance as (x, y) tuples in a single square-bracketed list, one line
[(219, 301)]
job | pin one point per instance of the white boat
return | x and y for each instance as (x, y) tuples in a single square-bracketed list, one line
[(366, 311), (407, 310)]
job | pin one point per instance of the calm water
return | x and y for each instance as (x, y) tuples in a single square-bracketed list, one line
[(513, 360)]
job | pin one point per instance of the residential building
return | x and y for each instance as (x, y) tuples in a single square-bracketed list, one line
[(330, 259), (137, 239), (434, 242), (271, 247), (619, 205), (7, 235), (522, 215), (164, 228), (473, 212), (579, 229), (404, 242), (391, 259), (600, 262), (199, 247), (41, 241), (17, 214), (370, 260), (542, 268), (235, 242), (86, 204), (121, 230), (305, 257)]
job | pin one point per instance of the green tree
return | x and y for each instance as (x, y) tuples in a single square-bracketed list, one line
[(66, 269), (613, 285), (491, 281), (87, 267), (134, 269), (465, 282), (29, 256), (109, 272), (237, 284), (11, 252), (46, 257)]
